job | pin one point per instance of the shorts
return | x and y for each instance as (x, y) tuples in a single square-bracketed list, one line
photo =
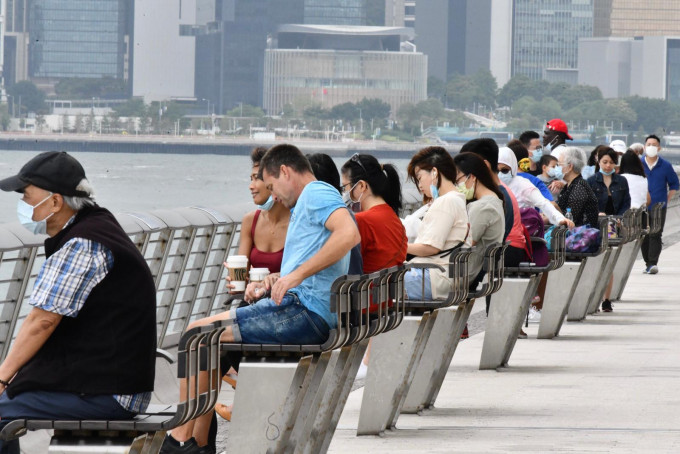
[(290, 322)]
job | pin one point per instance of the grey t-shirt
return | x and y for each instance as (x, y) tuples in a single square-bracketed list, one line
[(487, 226)]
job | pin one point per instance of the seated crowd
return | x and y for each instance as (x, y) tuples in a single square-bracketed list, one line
[(313, 224)]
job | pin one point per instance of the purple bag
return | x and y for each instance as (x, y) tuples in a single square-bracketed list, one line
[(583, 239), (533, 222)]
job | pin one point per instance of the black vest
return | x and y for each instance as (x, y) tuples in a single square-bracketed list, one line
[(109, 347)]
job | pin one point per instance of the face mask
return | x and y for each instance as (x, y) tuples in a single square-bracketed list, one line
[(505, 177), (25, 215), (588, 171), (607, 173), (556, 173), (548, 148), (651, 151), (433, 187), (469, 193), (266, 206), (538, 154)]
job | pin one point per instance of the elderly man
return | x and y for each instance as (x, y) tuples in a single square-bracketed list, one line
[(320, 235), (86, 350)]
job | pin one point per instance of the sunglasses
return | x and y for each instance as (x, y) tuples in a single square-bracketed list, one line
[(504, 170), (355, 158)]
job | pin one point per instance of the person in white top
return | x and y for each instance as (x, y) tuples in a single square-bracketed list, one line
[(631, 169), (527, 194)]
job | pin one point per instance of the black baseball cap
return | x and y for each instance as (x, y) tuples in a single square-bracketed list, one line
[(54, 171)]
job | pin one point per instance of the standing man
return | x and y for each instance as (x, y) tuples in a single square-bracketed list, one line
[(86, 350), (662, 182)]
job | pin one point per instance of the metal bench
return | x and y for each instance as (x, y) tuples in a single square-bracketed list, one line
[(198, 353), (290, 397), (511, 303)]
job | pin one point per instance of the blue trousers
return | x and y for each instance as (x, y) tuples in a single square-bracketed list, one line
[(56, 405)]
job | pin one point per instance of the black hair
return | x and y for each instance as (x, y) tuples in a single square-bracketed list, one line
[(324, 169), (527, 136), (653, 136), (430, 157), (284, 155), (593, 159), (473, 164), (631, 163), (607, 151), (486, 148), (546, 159), (257, 154), (519, 149), (382, 179)]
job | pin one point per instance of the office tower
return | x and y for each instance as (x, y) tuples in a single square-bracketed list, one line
[(15, 52), (335, 12), (464, 36), (631, 18), (545, 37), (73, 38)]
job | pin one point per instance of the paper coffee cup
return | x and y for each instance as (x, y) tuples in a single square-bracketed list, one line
[(258, 274), (237, 265)]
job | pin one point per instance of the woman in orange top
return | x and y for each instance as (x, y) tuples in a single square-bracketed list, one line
[(376, 189)]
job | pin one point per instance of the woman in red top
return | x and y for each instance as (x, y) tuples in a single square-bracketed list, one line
[(377, 190)]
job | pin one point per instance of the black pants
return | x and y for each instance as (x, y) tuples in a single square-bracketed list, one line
[(512, 258), (652, 244)]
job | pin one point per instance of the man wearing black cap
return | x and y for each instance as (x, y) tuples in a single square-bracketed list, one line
[(86, 350)]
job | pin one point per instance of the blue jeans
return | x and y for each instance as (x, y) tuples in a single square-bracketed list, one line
[(56, 405), (290, 322), (413, 281)]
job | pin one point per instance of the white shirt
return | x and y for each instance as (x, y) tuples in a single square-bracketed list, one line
[(637, 187)]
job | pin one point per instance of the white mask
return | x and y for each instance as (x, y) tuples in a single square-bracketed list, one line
[(25, 215), (651, 151)]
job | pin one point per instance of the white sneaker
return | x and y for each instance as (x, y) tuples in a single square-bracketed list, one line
[(361, 373), (534, 315)]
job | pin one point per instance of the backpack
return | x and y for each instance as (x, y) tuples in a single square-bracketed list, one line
[(583, 239), (533, 224)]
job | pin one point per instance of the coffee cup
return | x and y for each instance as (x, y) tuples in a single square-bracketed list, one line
[(258, 274), (237, 265)]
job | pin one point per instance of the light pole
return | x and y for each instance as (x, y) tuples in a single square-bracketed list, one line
[(361, 122)]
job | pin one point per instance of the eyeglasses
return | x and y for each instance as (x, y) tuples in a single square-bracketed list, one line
[(355, 158)]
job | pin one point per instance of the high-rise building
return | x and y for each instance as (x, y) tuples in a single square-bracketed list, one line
[(336, 12), (76, 38), (631, 18), (464, 36), (15, 43), (230, 55), (545, 36)]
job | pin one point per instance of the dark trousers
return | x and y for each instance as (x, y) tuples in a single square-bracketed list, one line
[(56, 405), (652, 244)]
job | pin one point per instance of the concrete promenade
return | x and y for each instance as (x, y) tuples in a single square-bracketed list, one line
[(608, 384)]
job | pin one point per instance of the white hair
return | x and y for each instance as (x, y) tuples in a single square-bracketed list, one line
[(637, 147), (77, 203), (574, 156)]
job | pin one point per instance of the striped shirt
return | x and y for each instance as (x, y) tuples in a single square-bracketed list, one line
[(64, 283)]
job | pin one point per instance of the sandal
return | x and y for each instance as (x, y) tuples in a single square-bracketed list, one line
[(465, 334), (224, 411), (231, 379)]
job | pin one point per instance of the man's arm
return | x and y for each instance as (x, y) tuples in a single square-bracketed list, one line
[(344, 236), (34, 332)]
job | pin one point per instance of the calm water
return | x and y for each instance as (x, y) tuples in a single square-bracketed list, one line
[(144, 182)]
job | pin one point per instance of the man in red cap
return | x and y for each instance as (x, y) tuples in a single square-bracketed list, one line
[(555, 134)]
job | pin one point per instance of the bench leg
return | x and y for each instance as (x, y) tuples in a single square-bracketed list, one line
[(331, 407), (508, 310), (260, 400), (624, 267), (586, 287), (559, 291), (603, 280), (393, 355), (462, 316)]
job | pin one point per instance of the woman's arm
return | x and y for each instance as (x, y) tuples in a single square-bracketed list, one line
[(421, 250)]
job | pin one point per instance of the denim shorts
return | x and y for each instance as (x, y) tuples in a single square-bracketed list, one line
[(290, 322), (413, 283)]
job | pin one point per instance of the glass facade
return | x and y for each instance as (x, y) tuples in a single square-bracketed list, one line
[(673, 70), (15, 20), (546, 34), (631, 18), (77, 38), (335, 12)]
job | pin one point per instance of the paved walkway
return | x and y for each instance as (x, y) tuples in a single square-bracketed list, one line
[(608, 384)]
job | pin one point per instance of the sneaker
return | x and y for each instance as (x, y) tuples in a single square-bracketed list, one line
[(653, 269), (172, 446), (534, 315), (607, 306), (522, 334)]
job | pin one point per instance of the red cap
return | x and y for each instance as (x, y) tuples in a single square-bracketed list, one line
[(558, 125)]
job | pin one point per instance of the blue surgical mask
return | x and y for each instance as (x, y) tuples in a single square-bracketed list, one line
[(556, 173), (25, 215), (266, 206), (433, 187), (548, 148), (607, 173), (587, 172), (505, 177), (537, 155)]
